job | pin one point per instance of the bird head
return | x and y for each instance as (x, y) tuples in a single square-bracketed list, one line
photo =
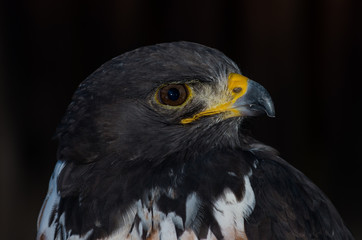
[(160, 100)]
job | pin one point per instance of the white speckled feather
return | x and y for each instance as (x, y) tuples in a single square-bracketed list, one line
[(50, 203), (230, 213)]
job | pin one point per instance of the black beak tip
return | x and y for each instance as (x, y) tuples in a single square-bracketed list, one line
[(261, 109), (269, 109), (271, 115), (264, 105)]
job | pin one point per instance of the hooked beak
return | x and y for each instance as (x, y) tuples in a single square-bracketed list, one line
[(247, 98), (255, 101)]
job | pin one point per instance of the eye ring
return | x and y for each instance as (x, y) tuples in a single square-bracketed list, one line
[(173, 94)]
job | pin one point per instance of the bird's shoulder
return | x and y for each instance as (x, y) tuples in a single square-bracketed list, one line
[(288, 204)]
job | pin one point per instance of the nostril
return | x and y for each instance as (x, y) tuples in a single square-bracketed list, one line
[(237, 89)]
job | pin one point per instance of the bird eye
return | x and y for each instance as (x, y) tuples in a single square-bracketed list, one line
[(173, 94)]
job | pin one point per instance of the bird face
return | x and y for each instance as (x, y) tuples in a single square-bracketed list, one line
[(226, 98)]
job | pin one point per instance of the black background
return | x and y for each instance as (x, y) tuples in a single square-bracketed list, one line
[(308, 54)]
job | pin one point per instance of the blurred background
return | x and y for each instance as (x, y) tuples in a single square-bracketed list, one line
[(307, 53)]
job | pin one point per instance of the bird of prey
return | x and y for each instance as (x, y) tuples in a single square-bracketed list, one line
[(153, 146)]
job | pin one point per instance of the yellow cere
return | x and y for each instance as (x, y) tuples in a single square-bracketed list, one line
[(237, 87)]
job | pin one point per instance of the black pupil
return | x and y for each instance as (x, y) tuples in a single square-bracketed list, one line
[(173, 94)]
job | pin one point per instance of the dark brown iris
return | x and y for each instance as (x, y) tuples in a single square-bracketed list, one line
[(173, 94)]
